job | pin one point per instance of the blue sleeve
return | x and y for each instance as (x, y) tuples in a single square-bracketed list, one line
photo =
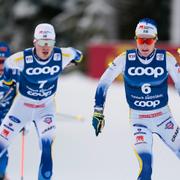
[(7, 75), (7, 96), (115, 68), (100, 95)]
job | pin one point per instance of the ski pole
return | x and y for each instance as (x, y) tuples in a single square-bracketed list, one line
[(70, 116), (22, 153)]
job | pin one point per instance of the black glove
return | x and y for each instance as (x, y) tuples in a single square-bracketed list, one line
[(98, 121)]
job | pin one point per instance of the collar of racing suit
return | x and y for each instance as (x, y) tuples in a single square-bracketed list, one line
[(39, 59), (148, 59)]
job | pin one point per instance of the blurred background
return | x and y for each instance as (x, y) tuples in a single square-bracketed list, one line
[(100, 28)]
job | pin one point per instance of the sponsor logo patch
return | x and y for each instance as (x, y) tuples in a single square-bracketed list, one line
[(29, 59), (57, 57), (9, 126), (148, 71), (175, 134), (139, 138), (48, 120), (5, 133), (160, 56), (43, 70), (150, 115), (169, 125), (48, 129), (14, 119), (132, 56)]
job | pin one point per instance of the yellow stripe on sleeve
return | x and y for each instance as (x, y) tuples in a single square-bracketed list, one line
[(66, 55), (8, 83), (19, 58), (169, 54), (122, 54)]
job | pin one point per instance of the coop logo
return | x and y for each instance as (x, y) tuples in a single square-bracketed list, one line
[(149, 71), (147, 103), (45, 70), (41, 94)]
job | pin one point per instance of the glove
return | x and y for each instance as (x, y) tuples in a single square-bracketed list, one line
[(8, 94), (98, 121)]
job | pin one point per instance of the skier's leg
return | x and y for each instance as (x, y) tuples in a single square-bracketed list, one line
[(45, 127), (169, 131), (142, 138), (3, 164)]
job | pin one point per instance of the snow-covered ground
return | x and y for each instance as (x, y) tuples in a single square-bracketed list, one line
[(78, 154)]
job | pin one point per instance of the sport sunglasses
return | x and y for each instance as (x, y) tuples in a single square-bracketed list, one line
[(46, 42), (147, 41)]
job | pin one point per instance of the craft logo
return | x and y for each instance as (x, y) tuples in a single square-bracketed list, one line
[(175, 134)]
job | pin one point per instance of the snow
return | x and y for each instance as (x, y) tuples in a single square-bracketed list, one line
[(78, 154)]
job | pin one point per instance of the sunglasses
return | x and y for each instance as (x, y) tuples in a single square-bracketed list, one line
[(147, 41), (46, 42)]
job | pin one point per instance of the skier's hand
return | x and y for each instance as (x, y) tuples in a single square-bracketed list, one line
[(7, 93), (98, 121)]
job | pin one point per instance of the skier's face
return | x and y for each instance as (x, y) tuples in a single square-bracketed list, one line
[(44, 48), (145, 45)]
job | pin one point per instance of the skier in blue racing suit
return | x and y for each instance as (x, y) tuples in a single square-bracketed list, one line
[(145, 71), (39, 68), (6, 98)]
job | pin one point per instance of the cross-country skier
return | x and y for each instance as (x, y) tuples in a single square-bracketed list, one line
[(145, 71), (6, 98), (39, 68)]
